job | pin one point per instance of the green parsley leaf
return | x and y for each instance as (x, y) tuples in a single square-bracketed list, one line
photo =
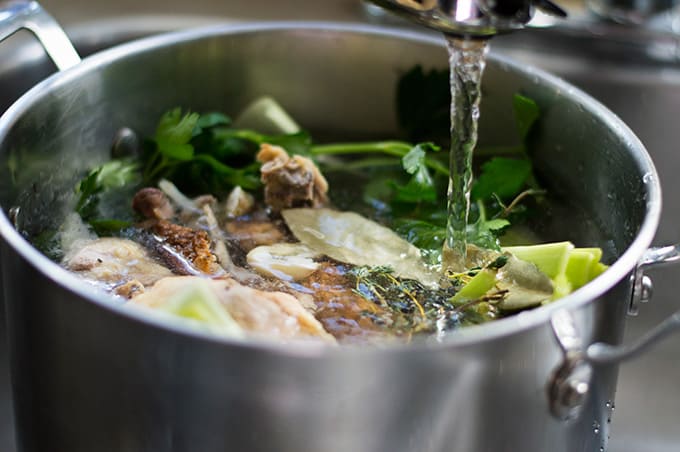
[(503, 177), (117, 174), (421, 233), (210, 120), (415, 159), (427, 236), (526, 114), (496, 225), (298, 143), (110, 182), (485, 233), (175, 129), (110, 176), (87, 190), (415, 191), (421, 186), (109, 226)]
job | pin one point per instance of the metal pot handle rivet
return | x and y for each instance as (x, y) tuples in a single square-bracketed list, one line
[(31, 16), (570, 383), (642, 285)]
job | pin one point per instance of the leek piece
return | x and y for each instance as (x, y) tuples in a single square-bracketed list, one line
[(266, 116), (596, 252), (550, 258), (569, 268), (562, 287), (198, 304), (597, 270), (579, 266), (477, 287)]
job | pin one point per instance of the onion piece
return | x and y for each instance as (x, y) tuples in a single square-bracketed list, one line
[(286, 261)]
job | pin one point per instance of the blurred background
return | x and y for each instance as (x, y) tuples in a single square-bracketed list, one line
[(625, 53)]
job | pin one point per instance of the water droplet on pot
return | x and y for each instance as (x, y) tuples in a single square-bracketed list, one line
[(596, 427)]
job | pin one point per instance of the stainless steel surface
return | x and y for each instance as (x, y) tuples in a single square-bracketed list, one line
[(599, 353), (299, 398), (572, 380), (477, 18), (31, 16), (636, 74), (23, 65), (633, 72)]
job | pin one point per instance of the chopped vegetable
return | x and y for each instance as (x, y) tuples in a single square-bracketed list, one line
[(267, 116), (530, 275), (580, 266), (506, 282), (477, 287), (199, 305), (550, 258), (568, 267)]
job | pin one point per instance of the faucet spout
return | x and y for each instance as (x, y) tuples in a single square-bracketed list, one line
[(470, 18)]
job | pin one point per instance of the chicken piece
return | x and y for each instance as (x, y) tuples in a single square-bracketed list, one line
[(264, 313), (273, 315), (117, 265), (249, 234), (192, 245), (290, 181)]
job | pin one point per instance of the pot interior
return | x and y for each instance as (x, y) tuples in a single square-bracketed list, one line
[(336, 82)]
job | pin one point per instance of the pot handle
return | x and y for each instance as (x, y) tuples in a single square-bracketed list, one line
[(570, 383), (31, 16), (600, 353)]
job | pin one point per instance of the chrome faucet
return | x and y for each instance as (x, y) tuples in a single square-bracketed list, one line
[(471, 18)]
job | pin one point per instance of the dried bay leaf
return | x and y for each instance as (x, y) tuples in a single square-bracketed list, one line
[(348, 237)]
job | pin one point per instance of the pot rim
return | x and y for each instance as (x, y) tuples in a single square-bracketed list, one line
[(490, 331)]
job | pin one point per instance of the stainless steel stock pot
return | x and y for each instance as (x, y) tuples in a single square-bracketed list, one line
[(90, 375)]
